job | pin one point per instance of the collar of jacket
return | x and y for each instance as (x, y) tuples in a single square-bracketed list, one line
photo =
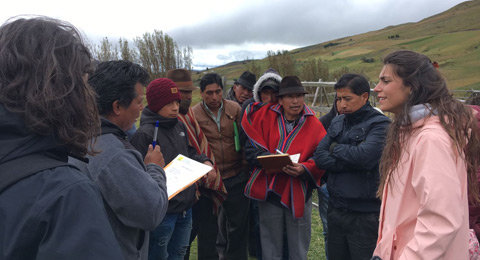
[(359, 114), (228, 107), (420, 111), (149, 117), (110, 128)]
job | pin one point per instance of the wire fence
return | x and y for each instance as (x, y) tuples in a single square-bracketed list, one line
[(322, 95)]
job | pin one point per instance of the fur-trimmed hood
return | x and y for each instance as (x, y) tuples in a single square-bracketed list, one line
[(269, 75)]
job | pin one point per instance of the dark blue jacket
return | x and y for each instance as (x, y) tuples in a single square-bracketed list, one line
[(350, 153), (53, 213)]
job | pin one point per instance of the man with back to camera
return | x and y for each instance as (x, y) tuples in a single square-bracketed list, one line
[(133, 189), (242, 88), (350, 154), (218, 119)]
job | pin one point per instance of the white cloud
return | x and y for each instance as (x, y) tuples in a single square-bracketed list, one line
[(220, 30)]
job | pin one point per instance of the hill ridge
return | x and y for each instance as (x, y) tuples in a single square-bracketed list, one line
[(452, 38)]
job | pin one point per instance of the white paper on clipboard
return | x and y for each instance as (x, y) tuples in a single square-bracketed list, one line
[(182, 172)]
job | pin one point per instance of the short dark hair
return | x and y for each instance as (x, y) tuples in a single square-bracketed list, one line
[(210, 78), (43, 62), (116, 80), (358, 84)]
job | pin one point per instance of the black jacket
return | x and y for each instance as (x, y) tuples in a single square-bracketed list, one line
[(173, 140), (350, 153), (54, 213)]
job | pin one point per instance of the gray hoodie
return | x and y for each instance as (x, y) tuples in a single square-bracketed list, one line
[(135, 194)]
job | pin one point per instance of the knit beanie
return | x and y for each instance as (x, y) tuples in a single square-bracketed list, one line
[(160, 92)]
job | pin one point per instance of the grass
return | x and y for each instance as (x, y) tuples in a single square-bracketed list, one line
[(317, 246)]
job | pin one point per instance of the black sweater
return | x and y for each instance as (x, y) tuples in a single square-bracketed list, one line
[(173, 140)]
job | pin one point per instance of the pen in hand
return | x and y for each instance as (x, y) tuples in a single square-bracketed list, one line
[(155, 135)]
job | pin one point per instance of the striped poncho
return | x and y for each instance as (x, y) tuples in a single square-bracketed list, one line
[(213, 189), (265, 127)]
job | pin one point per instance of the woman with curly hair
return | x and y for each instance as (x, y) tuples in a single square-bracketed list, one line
[(48, 208), (429, 164)]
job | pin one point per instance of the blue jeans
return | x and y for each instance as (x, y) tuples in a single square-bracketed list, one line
[(170, 239), (322, 209)]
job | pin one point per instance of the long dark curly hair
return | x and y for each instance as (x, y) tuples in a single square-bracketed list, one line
[(43, 71), (429, 86)]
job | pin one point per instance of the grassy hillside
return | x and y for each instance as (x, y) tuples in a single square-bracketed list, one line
[(451, 38)]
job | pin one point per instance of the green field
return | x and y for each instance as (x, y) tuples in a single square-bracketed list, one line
[(317, 246)]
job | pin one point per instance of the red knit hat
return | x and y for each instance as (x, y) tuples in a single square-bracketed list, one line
[(160, 92)]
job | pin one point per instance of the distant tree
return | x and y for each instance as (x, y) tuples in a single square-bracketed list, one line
[(105, 51), (343, 70), (148, 54), (310, 70), (253, 66), (158, 53), (314, 70), (330, 44), (126, 53), (170, 53), (282, 62), (273, 60), (323, 71), (287, 64), (368, 60), (339, 72), (188, 58)]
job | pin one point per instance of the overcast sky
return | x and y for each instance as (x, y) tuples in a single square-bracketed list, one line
[(221, 31)]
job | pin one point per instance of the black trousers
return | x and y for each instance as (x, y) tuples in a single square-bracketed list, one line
[(233, 220), (351, 235), (204, 224)]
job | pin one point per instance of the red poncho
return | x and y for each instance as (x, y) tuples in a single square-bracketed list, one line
[(265, 127), (214, 189)]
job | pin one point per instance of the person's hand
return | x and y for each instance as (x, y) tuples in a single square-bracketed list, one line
[(294, 170), (212, 174), (154, 156), (332, 146)]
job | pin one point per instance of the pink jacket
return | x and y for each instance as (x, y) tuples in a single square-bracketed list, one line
[(474, 211), (424, 214)]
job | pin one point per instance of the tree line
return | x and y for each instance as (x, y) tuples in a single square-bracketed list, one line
[(307, 70), (156, 51)]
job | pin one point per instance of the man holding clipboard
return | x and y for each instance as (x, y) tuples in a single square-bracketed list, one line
[(284, 196), (171, 238)]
